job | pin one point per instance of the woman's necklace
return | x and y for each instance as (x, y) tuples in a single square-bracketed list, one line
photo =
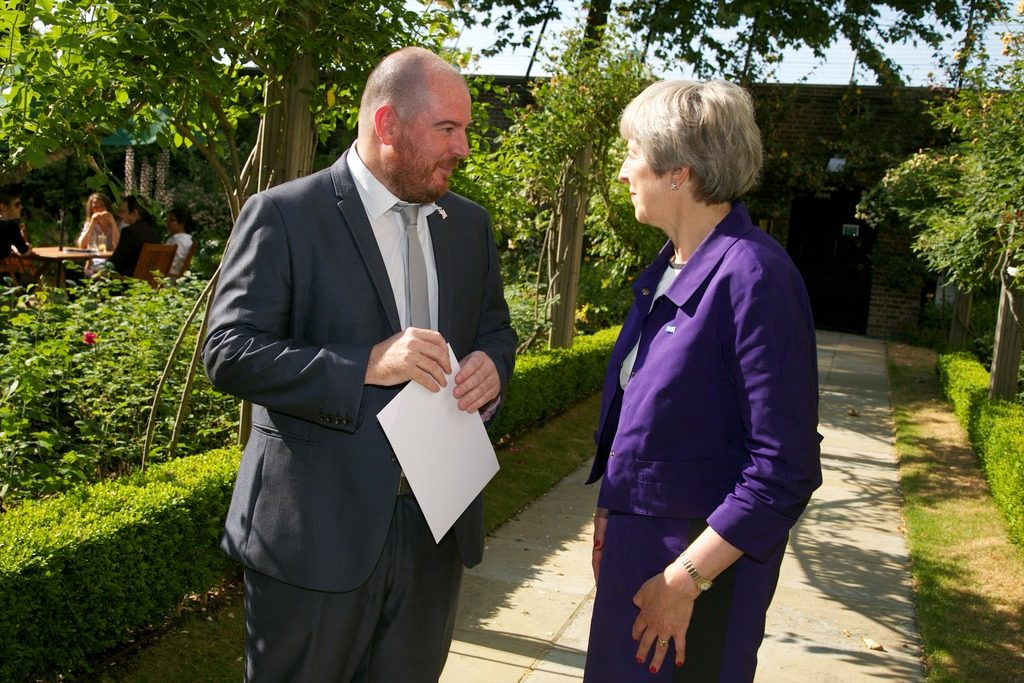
[(673, 265)]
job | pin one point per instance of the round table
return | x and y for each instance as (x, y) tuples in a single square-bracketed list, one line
[(50, 256)]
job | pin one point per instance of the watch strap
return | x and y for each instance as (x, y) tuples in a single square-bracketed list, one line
[(703, 583)]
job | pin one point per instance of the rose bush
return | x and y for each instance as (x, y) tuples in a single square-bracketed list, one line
[(78, 367)]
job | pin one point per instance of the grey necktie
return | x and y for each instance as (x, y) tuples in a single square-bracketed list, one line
[(415, 267)]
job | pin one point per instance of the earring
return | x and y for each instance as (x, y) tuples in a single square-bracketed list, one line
[(673, 187)]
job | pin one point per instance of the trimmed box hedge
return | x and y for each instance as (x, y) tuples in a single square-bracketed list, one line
[(79, 573), (995, 430), (82, 572), (547, 383)]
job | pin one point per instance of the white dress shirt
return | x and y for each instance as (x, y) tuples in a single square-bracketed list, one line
[(389, 231)]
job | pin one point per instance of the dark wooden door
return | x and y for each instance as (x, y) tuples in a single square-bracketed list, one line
[(832, 250)]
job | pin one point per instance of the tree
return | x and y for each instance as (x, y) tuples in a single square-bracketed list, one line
[(991, 227), (75, 70), (691, 32), (536, 180), (967, 200)]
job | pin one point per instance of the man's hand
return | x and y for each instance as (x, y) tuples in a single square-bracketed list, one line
[(477, 382), (413, 354)]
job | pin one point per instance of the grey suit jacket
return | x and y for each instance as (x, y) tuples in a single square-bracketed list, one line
[(303, 296)]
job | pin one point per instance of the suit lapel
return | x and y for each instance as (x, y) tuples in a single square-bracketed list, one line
[(354, 216)]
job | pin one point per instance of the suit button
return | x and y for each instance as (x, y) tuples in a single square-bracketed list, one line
[(612, 454), (645, 291)]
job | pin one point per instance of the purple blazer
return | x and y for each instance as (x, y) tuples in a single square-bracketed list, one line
[(719, 419)]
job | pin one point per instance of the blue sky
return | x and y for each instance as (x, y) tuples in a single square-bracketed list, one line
[(917, 61)]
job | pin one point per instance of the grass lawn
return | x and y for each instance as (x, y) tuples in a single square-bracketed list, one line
[(206, 642), (968, 578)]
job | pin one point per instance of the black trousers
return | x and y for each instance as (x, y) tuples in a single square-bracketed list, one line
[(396, 627)]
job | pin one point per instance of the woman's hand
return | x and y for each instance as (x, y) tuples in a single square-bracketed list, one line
[(666, 605), (666, 600), (600, 525)]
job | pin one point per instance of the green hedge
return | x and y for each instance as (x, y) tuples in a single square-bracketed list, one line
[(82, 571), (79, 573), (996, 433), (546, 383)]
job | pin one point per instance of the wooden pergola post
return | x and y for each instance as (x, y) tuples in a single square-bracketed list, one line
[(1006, 356)]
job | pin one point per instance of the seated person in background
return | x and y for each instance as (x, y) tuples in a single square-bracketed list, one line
[(12, 233), (139, 229), (100, 230), (180, 227)]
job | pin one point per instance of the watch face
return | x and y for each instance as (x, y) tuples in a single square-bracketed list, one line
[(703, 585)]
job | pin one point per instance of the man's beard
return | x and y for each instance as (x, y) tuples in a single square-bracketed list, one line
[(411, 175)]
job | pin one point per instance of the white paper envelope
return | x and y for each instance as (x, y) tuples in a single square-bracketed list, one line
[(444, 452)]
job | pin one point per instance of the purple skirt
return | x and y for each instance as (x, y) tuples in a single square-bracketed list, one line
[(727, 626)]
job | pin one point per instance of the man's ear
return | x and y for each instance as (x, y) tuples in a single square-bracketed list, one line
[(385, 123)]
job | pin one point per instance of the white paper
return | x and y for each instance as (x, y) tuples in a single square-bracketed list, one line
[(444, 452)]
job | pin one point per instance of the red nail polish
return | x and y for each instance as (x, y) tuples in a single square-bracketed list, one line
[(597, 544), (639, 661), (654, 669)]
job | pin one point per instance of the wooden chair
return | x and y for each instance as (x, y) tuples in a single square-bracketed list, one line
[(21, 268), (187, 262), (154, 258)]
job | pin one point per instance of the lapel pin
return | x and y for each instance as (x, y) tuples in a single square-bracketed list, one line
[(444, 214), (670, 329)]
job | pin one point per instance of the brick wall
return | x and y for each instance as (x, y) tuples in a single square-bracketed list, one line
[(895, 306), (893, 311)]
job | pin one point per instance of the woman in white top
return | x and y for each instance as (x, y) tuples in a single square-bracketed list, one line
[(179, 225), (100, 230)]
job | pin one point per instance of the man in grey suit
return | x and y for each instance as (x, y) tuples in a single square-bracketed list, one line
[(310, 322)]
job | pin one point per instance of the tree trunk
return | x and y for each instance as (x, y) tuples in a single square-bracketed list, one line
[(564, 264), (1006, 357), (564, 268), (286, 144), (960, 325), (287, 137), (597, 19)]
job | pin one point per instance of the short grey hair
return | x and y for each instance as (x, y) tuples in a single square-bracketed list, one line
[(708, 127), (399, 80)]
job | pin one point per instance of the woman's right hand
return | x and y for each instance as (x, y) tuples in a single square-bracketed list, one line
[(100, 218), (600, 525)]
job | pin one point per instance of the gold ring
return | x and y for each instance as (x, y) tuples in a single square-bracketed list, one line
[(664, 643)]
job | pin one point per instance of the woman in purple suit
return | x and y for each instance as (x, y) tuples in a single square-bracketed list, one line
[(707, 439)]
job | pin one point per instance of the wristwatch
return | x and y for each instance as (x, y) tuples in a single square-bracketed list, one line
[(702, 583)]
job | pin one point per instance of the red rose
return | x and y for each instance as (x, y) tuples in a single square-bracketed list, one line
[(89, 338)]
